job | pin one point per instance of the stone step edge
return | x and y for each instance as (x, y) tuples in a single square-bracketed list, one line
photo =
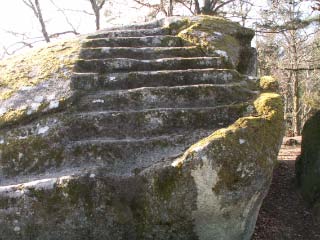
[(106, 31), (146, 25), (48, 181), (99, 93), (153, 72), (18, 187), (128, 139), (16, 190), (142, 51), (174, 77), (150, 60), (130, 38), (142, 48), (129, 30), (35, 179), (93, 113)]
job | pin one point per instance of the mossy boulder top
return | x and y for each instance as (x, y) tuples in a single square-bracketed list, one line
[(151, 131), (37, 81)]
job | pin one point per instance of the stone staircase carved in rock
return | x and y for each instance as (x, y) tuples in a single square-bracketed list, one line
[(115, 164)]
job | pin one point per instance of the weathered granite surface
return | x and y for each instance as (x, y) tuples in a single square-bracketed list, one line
[(142, 132), (308, 163)]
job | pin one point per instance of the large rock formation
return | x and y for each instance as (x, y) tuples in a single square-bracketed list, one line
[(308, 163), (143, 132)]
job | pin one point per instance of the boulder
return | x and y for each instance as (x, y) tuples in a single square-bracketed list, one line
[(308, 163), (150, 131)]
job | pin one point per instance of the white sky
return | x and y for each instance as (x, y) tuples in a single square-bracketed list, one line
[(17, 17)]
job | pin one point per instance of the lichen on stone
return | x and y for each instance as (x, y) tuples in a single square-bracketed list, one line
[(217, 36), (232, 168), (269, 83), (31, 153), (176, 26), (12, 116), (265, 127), (29, 69), (34, 72), (270, 113)]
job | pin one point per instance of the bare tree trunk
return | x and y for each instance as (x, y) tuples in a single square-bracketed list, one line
[(211, 7), (35, 7), (97, 14), (296, 105), (207, 7), (197, 7), (43, 25), (96, 7), (295, 90), (170, 8), (63, 12)]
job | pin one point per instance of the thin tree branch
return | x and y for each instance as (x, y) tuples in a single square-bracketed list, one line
[(30, 4), (101, 4), (78, 11), (301, 68), (65, 17), (55, 35)]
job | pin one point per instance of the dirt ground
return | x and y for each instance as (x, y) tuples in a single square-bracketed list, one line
[(284, 215)]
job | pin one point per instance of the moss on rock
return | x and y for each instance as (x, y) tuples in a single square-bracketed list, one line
[(251, 143), (269, 83), (27, 75), (232, 169), (176, 26), (30, 154), (165, 183), (12, 116), (53, 61), (269, 122), (217, 36)]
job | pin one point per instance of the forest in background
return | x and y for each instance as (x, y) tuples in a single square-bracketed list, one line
[(287, 36)]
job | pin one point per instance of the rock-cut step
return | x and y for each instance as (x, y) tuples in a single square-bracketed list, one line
[(131, 33), (149, 122), (137, 79), (138, 26), (148, 41), (140, 53), (106, 152), (208, 95), (103, 66), (125, 155)]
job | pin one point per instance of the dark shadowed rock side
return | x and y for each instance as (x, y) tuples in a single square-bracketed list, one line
[(308, 163), (153, 131)]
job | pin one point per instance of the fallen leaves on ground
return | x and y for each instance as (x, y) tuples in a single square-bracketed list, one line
[(284, 215)]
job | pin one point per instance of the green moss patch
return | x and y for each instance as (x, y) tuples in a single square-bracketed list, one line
[(217, 36), (29, 155), (165, 183), (179, 25), (244, 148), (269, 83), (29, 69), (13, 116)]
